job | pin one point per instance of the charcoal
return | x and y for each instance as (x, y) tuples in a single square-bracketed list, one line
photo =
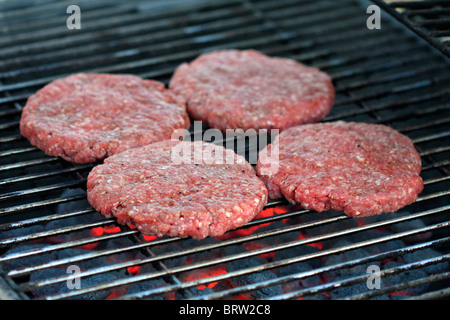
[(424, 254), (176, 262), (63, 287), (90, 282), (347, 256), (85, 281), (306, 217), (293, 268), (370, 219), (88, 264), (72, 205), (303, 283), (187, 244), (234, 249), (398, 296), (68, 222), (50, 256), (25, 231), (148, 285), (325, 228), (200, 256), (121, 242), (47, 274), (299, 266), (73, 252), (251, 278), (194, 292), (354, 289), (298, 251), (316, 296), (399, 227), (384, 246), (411, 225), (364, 235), (405, 277)]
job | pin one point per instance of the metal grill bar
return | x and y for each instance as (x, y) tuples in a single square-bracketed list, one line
[(41, 189), (23, 164), (44, 174), (17, 151), (60, 231), (37, 204), (44, 219)]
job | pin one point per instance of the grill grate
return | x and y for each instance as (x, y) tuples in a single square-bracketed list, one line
[(384, 76), (428, 18)]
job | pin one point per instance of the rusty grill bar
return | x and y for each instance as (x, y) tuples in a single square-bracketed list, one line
[(387, 76)]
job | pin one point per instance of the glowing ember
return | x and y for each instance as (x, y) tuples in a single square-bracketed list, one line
[(317, 245), (148, 238), (134, 270), (111, 229), (247, 231), (204, 273)]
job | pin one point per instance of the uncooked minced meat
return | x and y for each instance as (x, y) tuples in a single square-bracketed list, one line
[(233, 89), (177, 189), (87, 117), (361, 169)]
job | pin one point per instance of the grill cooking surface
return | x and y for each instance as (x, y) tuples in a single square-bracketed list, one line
[(428, 18), (389, 76)]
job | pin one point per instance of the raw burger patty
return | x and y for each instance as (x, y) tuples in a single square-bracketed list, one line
[(147, 188), (361, 169), (87, 117), (233, 89)]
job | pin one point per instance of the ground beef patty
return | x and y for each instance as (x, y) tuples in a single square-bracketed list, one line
[(233, 89), (87, 117), (198, 198), (361, 169)]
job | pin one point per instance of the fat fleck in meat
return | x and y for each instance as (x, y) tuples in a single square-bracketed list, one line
[(361, 169)]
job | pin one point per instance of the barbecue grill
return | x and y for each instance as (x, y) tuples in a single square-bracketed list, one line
[(50, 237)]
